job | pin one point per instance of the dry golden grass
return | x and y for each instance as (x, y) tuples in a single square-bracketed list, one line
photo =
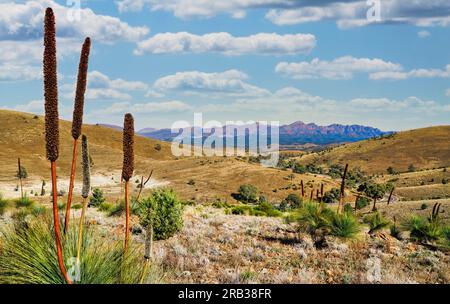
[(424, 148)]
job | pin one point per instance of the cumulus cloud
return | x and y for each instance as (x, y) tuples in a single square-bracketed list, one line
[(24, 21), (34, 106), (225, 43), (347, 13), (232, 83), (340, 68), (10, 72), (102, 87), (416, 73)]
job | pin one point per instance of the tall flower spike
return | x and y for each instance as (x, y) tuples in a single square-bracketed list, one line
[(86, 167), (51, 88), (128, 147), (77, 121)]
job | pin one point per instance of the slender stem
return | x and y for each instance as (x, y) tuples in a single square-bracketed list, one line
[(80, 228), (72, 179), (56, 224), (127, 216)]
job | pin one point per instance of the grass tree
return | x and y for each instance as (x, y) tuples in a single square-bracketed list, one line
[(21, 174), (77, 120), (52, 123), (128, 167), (342, 193), (85, 190)]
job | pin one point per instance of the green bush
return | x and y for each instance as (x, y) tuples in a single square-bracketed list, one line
[(165, 211), (348, 208), (292, 201), (332, 196), (248, 194), (77, 206), (362, 202), (423, 206), (105, 207), (376, 222), (97, 198), (344, 225), (267, 209), (24, 202)]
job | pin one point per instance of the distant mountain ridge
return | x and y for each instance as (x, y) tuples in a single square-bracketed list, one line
[(297, 133)]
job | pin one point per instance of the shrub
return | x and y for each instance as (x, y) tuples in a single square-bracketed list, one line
[(376, 222), (411, 168), (24, 202), (97, 198), (395, 231), (299, 169), (248, 194), (105, 207), (267, 209), (191, 182), (362, 202), (77, 206), (28, 256), (332, 196), (423, 206), (391, 170), (22, 173), (166, 213), (344, 225), (348, 208), (292, 201)]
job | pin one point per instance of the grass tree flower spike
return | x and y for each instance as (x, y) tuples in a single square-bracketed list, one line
[(128, 166), (52, 123), (85, 190), (77, 120)]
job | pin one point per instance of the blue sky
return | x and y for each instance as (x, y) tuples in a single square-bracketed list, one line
[(271, 60)]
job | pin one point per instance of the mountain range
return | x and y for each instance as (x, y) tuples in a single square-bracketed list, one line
[(297, 133)]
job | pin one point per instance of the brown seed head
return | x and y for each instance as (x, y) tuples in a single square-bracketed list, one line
[(128, 147), (50, 87), (86, 167), (77, 121)]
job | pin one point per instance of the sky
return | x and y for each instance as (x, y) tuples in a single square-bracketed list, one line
[(381, 63)]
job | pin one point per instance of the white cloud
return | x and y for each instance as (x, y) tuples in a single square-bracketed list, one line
[(416, 73), (34, 106), (97, 79), (354, 13), (24, 21), (340, 68), (101, 86), (143, 108), (199, 8), (225, 43), (447, 92), (230, 83), (423, 34), (347, 13), (9, 72)]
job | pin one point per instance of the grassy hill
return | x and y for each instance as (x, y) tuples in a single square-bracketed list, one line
[(197, 178), (426, 148)]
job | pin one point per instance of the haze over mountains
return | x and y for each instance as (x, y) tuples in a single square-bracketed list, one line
[(297, 133)]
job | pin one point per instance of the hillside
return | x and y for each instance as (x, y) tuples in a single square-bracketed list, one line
[(201, 179), (426, 148)]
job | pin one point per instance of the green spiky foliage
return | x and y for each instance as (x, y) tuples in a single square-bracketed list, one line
[(314, 217), (376, 222), (426, 229), (345, 225), (28, 256)]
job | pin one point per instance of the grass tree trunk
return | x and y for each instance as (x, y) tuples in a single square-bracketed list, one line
[(20, 179), (374, 204), (390, 195), (148, 252), (71, 184)]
